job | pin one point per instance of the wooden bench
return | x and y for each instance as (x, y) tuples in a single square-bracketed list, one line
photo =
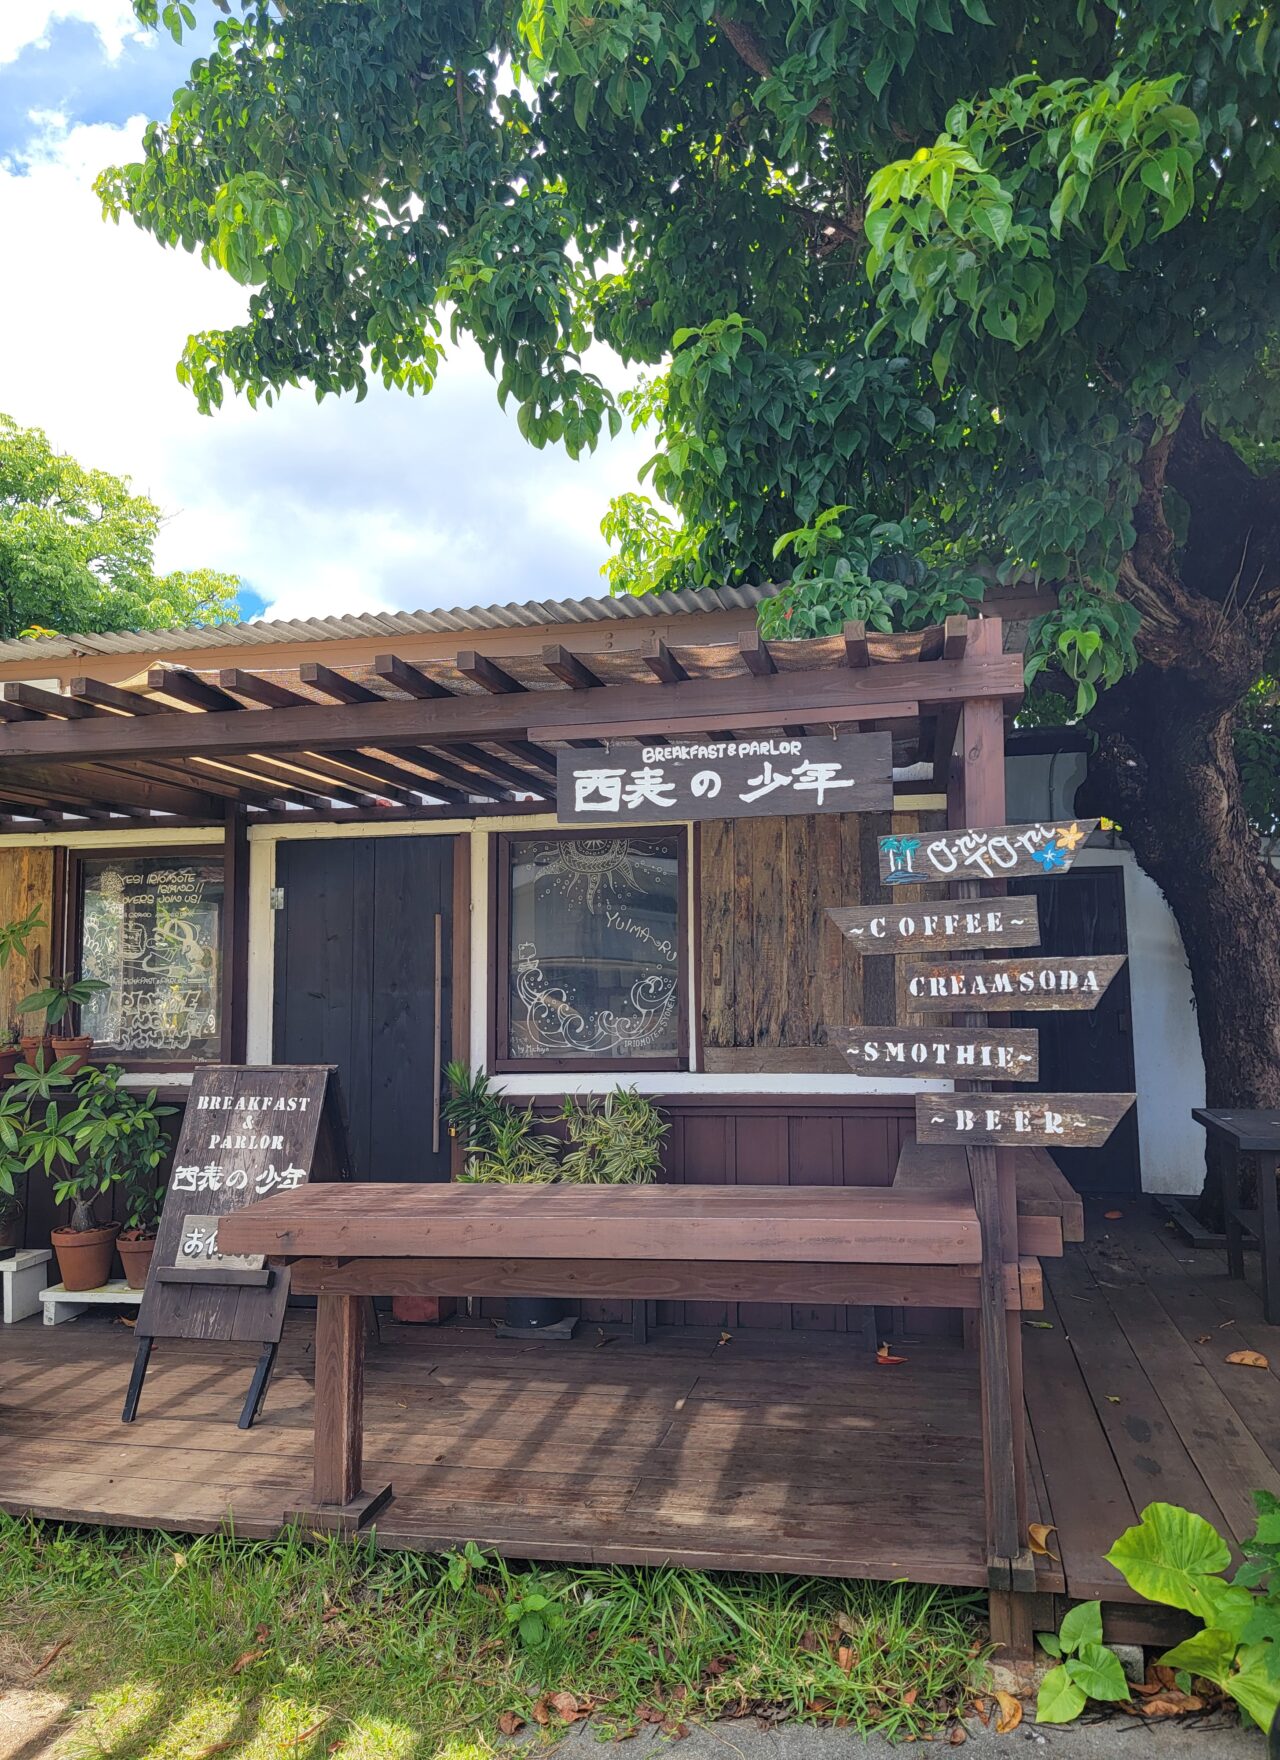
[(1050, 1210), (840, 1244)]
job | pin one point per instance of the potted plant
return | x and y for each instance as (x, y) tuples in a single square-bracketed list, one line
[(14, 937), (616, 1140), (10, 1222), (57, 998), (115, 1139)]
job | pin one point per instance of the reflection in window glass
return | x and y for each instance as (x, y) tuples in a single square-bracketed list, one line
[(150, 930), (594, 947)]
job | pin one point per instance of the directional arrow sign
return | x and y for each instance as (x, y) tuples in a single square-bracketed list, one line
[(1046, 1121), (936, 928), (992, 1054), (1044, 848), (1003, 986)]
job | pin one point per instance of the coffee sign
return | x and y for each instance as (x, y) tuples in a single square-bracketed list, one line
[(1009, 985), (985, 1054), (996, 854), (725, 779), (1045, 1121), (936, 928)]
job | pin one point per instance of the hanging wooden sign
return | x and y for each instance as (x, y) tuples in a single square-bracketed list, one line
[(935, 928), (1006, 986), (996, 854), (1044, 1121), (246, 1132), (725, 779), (991, 1054)]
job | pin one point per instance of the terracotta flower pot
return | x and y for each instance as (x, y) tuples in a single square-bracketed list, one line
[(78, 1047), (84, 1255), (135, 1249), (30, 1043), (10, 1056)]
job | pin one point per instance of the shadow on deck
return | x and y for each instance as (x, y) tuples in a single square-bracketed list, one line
[(786, 1453)]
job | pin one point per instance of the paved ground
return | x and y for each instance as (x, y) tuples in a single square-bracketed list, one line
[(1114, 1739)]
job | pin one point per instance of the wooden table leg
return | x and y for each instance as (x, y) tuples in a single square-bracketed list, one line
[(338, 1450), (1269, 1237), (1230, 1160)]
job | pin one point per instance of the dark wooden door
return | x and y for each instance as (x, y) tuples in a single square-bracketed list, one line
[(356, 984), (1089, 1051)]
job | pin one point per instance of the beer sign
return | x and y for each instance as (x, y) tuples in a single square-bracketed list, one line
[(1041, 1121)]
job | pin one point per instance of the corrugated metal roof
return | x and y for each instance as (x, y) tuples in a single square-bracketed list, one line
[(270, 631)]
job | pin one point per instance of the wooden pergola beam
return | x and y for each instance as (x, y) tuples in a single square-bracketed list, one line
[(661, 662), (190, 688), (884, 692), (487, 674), (754, 653), (569, 668), (112, 696), (856, 652)]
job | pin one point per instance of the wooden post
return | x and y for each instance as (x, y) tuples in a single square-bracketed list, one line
[(978, 799), (340, 1502), (235, 937)]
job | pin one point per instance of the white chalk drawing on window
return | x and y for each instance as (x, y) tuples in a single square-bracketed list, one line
[(594, 948), (150, 932)]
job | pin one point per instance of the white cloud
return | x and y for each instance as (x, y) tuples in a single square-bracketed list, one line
[(393, 502), (25, 24)]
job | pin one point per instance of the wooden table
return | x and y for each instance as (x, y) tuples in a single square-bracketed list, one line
[(1254, 1133), (841, 1244)]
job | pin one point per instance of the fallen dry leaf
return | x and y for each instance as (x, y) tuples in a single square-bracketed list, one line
[(50, 1659), (1171, 1703), (958, 1734), (123, 1320), (179, 1561), (677, 1731), (980, 1706), (1113, 1215), (602, 1338), (910, 1696), (811, 1642), (261, 1634), (724, 1338), (651, 1714), (510, 1722), (297, 1741), (214, 1748), (1204, 1338), (539, 1712), (335, 1747), (564, 1705), (885, 1356), (1112, 1399), (1038, 1534), (1249, 1359), (1010, 1712), (819, 1705), (246, 1659), (844, 1656)]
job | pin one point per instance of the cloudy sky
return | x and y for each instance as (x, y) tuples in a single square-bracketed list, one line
[(397, 502)]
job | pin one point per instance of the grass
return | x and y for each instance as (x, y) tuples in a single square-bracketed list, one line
[(182, 1649)]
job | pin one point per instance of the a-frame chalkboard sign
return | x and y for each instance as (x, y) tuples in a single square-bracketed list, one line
[(247, 1131)]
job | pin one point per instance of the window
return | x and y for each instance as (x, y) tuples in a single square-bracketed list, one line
[(150, 929), (590, 951)]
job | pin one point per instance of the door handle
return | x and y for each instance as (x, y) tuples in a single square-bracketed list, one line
[(437, 1049)]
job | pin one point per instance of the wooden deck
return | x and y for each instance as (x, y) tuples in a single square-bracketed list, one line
[(767, 1452)]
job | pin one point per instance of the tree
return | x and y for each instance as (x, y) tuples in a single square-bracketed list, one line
[(928, 291), (76, 550)]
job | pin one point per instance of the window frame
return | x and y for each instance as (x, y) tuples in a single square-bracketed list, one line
[(72, 938), (499, 1035)]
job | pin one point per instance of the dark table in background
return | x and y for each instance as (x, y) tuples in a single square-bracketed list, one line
[(1257, 1134)]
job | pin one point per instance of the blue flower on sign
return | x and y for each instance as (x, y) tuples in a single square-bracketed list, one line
[(1051, 859)]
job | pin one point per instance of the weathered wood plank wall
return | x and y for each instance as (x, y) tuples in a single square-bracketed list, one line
[(775, 970)]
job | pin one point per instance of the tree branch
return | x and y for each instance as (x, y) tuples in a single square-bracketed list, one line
[(752, 51)]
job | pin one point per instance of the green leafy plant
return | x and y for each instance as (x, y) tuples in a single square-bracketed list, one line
[(118, 1134), (14, 937), (1177, 1558), (59, 996), (514, 1152), (613, 1141), (474, 1106), (1087, 1670), (536, 1613)]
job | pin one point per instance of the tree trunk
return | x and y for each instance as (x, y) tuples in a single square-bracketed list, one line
[(1165, 770)]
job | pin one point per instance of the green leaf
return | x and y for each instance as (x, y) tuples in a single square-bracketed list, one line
[(1210, 1653), (1048, 1642), (1097, 1672), (1170, 1557), (1059, 1700), (1255, 1685), (1082, 1625)]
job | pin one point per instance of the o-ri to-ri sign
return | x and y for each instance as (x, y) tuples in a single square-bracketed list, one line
[(725, 779), (999, 853)]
